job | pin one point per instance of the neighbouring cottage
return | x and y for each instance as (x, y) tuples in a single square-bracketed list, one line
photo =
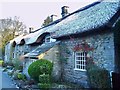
[(12, 49), (89, 32), (7, 52)]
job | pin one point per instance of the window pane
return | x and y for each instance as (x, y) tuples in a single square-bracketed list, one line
[(78, 66), (78, 62), (77, 54), (80, 58)]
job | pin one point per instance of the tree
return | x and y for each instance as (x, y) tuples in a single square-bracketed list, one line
[(8, 29), (47, 21)]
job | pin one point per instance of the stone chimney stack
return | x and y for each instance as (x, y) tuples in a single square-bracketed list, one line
[(30, 29), (64, 11), (52, 17)]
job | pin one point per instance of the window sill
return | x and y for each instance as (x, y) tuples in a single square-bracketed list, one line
[(79, 70)]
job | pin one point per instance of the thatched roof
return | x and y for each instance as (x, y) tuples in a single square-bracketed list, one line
[(87, 18)]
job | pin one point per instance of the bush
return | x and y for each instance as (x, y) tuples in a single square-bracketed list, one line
[(21, 76), (39, 67), (44, 78), (10, 73), (4, 64), (4, 70), (1, 62), (17, 64), (98, 77), (15, 75), (44, 86)]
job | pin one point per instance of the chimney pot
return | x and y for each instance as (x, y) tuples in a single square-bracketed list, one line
[(30, 29), (52, 17), (64, 11)]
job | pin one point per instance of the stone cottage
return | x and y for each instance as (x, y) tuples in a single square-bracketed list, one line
[(12, 50), (86, 33)]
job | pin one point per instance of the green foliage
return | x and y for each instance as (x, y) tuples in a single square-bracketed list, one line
[(1, 62), (8, 28), (40, 67), (4, 70), (47, 21), (44, 86), (44, 78), (98, 77), (21, 76), (17, 64), (15, 75), (64, 53), (5, 64), (10, 73)]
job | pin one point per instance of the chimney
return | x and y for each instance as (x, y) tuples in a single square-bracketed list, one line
[(64, 11), (51, 17), (30, 29)]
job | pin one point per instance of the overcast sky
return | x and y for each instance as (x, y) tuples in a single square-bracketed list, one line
[(33, 12)]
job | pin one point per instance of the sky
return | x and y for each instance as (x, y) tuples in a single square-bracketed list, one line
[(33, 12)]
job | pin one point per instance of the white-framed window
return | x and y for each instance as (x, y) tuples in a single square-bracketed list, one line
[(80, 60)]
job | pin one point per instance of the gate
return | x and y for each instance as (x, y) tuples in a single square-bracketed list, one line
[(116, 81)]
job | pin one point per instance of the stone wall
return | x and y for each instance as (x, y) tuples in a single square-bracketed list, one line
[(103, 56)]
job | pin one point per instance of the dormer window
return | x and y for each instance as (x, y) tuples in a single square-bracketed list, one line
[(48, 39)]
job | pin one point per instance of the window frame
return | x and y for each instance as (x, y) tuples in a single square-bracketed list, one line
[(83, 57), (47, 37)]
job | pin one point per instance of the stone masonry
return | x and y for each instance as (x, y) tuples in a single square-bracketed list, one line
[(103, 56)]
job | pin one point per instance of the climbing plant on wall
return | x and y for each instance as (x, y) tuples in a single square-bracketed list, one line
[(64, 52)]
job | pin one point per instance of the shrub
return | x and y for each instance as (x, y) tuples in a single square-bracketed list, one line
[(17, 64), (4, 64), (44, 86), (15, 75), (10, 73), (1, 62), (4, 70), (98, 77), (44, 78), (21, 76), (40, 67)]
